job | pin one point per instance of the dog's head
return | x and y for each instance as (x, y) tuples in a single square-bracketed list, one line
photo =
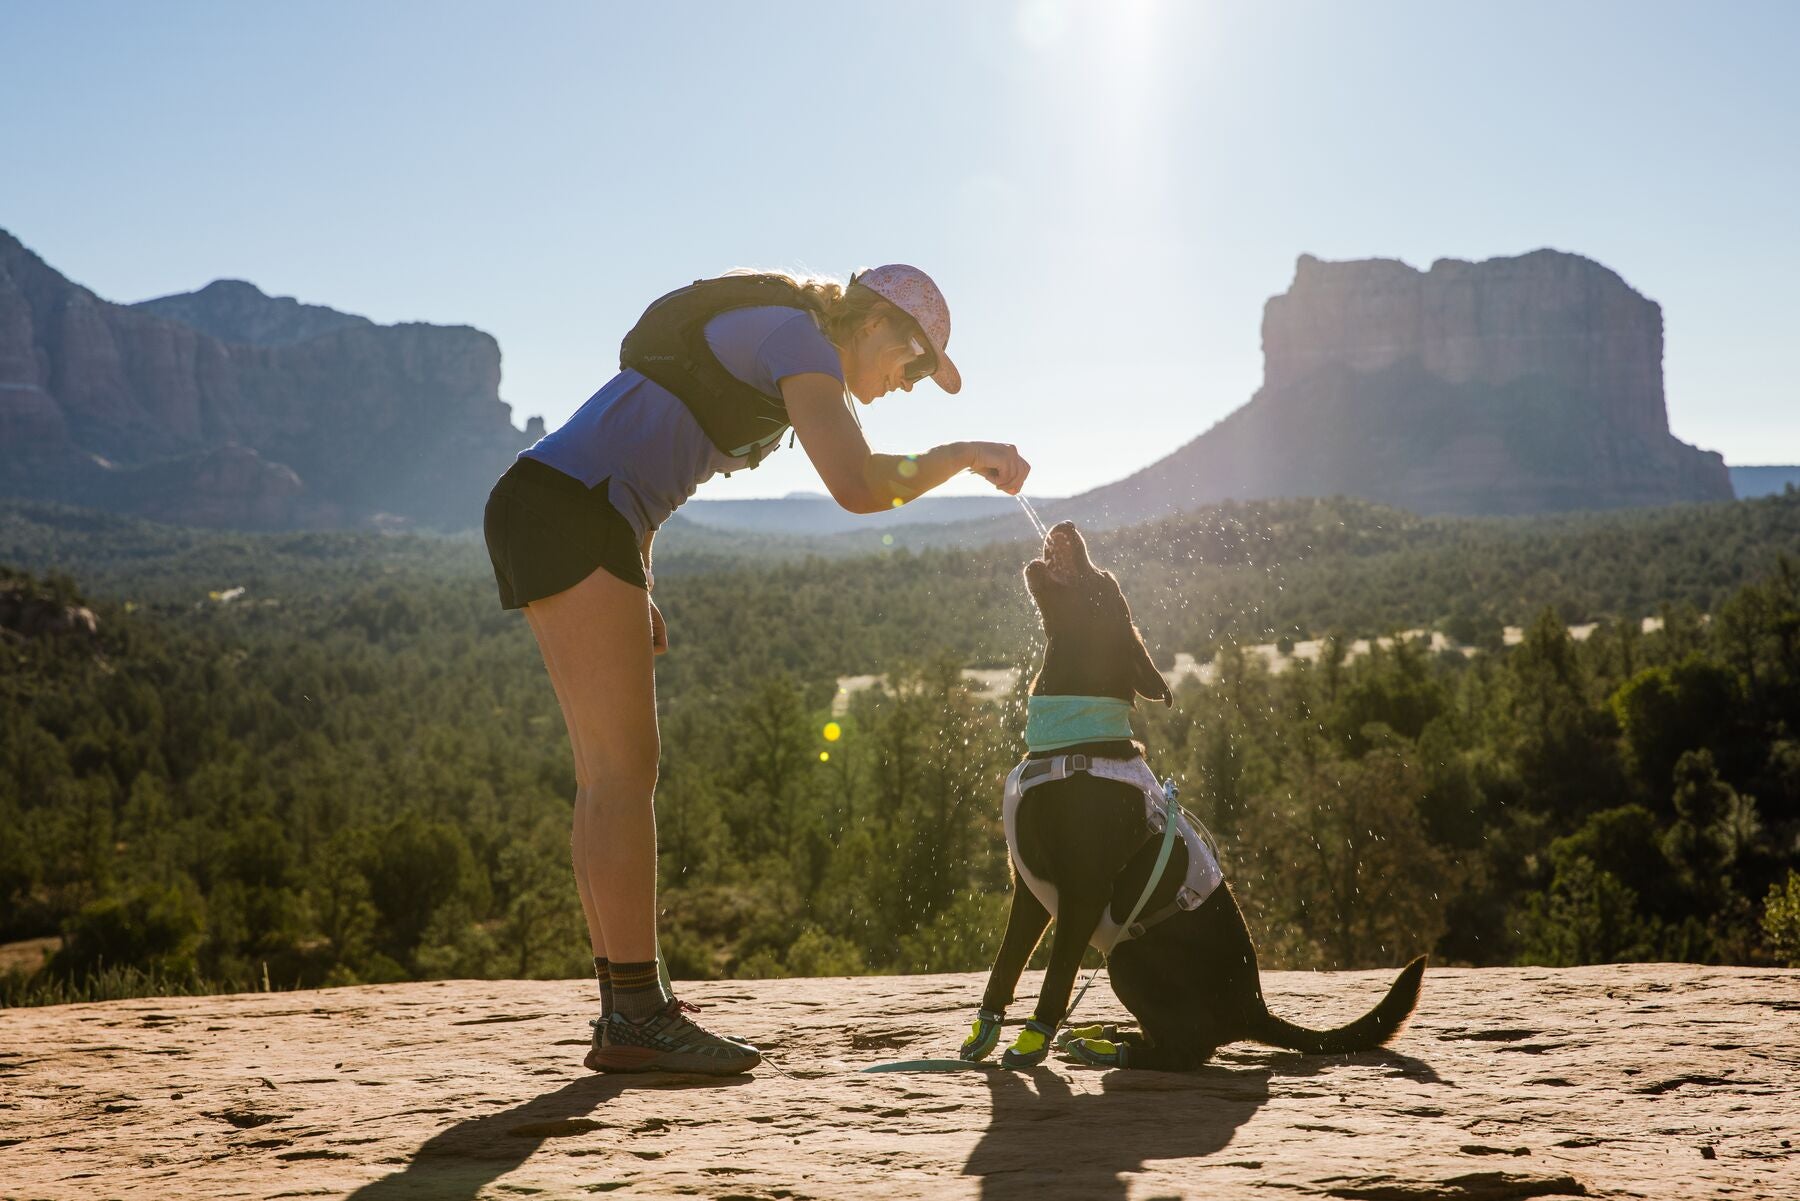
[(1092, 648)]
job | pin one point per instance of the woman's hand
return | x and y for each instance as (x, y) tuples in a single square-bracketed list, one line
[(1000, 463), (659, 632)]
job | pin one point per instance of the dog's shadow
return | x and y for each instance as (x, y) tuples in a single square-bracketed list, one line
[(1044, 1137), (460, 1161)]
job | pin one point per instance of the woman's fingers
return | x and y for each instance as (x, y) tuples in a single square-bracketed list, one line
[(659, 632), (1002, 464)]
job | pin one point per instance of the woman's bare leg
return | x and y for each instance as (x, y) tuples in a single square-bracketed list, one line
[(578, 840), (595, 638)]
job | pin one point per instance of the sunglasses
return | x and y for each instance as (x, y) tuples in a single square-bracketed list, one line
[(924, 360)]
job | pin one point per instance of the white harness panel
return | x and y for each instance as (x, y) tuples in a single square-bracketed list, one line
[(1203, 874)]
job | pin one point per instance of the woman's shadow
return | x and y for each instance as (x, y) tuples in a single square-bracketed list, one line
[(1082, 1144), (458, 1162)]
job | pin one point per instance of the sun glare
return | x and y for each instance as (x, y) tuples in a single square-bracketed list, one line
[(1100, 83)]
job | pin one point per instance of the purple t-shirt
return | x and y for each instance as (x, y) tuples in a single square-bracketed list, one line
[(637, 436)]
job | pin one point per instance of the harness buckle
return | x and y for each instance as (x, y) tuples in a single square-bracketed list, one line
[(1075, 763), (1187, 898)]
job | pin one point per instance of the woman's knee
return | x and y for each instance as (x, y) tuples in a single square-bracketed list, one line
[(606, 787)]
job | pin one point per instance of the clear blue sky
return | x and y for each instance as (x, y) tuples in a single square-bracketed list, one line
[(1107, 192)]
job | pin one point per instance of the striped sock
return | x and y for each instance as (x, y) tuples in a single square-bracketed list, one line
[(637, 992), (603, 977)]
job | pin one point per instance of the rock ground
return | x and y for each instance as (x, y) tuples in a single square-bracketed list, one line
[(1650, 1080)]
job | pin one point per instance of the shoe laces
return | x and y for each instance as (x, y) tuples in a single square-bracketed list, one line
[(677, 1010)]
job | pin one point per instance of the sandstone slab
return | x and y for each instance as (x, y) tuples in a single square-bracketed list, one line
[(1625, 1081)]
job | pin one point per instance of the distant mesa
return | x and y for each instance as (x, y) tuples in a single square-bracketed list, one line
[(228, 407), (1515, 385)]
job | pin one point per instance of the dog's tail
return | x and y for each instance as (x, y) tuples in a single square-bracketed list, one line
[(1367, 1032)]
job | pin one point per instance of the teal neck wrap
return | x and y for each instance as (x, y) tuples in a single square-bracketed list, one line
[(1053, 722)]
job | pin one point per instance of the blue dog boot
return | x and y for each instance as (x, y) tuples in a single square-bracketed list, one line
[(1031, 1047), (984, 1036)]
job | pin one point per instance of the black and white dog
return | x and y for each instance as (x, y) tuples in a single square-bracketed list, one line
[(1084, 827)]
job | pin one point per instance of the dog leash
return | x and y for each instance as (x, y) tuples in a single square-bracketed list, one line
[(1170, 809)]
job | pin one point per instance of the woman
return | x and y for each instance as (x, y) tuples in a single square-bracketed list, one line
[(713, 376)]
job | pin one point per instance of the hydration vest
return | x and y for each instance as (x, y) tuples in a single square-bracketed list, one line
[(668, 345)]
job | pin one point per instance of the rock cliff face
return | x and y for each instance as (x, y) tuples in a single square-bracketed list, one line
[(1514, 385), (235, 311), (227, 407)]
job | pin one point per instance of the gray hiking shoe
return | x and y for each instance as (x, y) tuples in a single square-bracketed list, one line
[(667, 1041)]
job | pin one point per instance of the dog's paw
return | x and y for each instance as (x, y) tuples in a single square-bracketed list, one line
[(1097, 1052), (984, 1036), (1031, 1048)]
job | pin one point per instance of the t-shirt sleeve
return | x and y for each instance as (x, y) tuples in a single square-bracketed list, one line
[(797, 347)]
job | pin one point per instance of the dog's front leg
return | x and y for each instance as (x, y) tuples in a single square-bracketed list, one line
[(1024, 927), (1076, 917)]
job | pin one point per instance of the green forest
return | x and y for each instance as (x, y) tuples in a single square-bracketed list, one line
[(234, 761)]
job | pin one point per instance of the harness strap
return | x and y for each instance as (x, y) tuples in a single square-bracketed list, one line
[(1057, 767), (1184, 900), (1162, 862)]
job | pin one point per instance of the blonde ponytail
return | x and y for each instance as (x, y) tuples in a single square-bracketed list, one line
[(839, 310)]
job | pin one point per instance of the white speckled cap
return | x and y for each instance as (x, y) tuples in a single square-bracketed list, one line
[(912, 292)]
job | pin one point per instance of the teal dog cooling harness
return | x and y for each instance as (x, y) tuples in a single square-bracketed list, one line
[(1053, 722)]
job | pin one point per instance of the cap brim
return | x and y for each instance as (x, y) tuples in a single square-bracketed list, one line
[(947, 376)]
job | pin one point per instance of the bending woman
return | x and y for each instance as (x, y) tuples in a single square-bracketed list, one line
[(712, 377)]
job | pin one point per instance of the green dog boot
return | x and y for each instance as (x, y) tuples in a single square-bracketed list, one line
[(1031, 1048), (984, 1036), (1069, 1034), (1098, 1052)]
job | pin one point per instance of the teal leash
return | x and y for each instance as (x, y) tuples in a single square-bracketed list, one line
[(932, 1065), (1170, 809)]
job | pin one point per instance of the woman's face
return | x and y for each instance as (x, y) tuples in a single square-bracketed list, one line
[(884, 356)]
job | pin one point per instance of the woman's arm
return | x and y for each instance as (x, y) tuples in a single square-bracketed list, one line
[(864, 482)]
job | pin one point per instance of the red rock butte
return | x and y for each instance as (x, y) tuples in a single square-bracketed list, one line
[(1515, 385)]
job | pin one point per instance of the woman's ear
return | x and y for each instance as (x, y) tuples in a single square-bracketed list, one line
[(1145, 679)]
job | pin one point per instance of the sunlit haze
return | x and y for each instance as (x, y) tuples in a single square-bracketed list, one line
[(1107, 193)]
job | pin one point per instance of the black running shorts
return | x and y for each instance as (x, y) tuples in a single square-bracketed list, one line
[(547, 532)]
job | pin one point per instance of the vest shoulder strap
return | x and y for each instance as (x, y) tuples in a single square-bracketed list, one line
[(668, 345)]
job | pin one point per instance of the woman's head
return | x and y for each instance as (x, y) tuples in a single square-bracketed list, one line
[(890, 326)]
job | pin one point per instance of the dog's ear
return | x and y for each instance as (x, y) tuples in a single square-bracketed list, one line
[(1148, 681)]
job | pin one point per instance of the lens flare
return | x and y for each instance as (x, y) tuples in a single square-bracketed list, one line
[(833, 731)]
